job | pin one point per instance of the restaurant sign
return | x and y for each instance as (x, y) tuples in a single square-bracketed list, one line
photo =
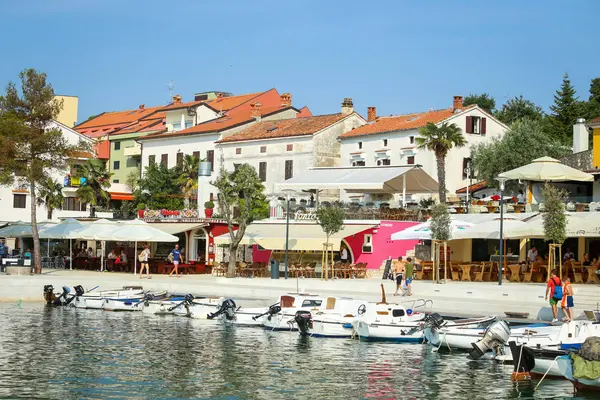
[(170, 214)]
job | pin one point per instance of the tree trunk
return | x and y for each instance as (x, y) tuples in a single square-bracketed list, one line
[(441, 170), (49, 215), (232, 260), (37, 264)]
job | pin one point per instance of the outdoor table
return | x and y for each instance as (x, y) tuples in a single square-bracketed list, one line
[(466, 272), (580, 207), (577, 274), (515, 270), (592, 277)]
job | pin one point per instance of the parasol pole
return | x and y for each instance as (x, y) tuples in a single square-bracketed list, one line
[(102, 257), (48, 249), (71, 254), (135, 258)]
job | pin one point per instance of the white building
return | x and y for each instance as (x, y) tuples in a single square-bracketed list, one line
[(214, 120), (392, 141), (15, 201), (281, 149)]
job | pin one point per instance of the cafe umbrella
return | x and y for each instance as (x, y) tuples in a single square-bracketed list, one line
[(101, 230), (65, 230)]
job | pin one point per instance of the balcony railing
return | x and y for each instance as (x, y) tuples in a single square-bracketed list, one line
[(133, 150)]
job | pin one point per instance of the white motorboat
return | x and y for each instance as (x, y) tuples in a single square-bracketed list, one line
[(387, 321), (132, 303), (581, 367), (335, 321), (63, 299), (163, 306), (95, 299), (534, 360), (230, 314), (289, 305), (198, 308), (456, 334)]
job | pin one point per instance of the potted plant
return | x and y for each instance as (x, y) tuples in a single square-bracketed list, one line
[(141, 208), (208, 208), (303, 203)]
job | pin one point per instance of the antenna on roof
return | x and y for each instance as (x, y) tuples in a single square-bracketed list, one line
[(171, 86)]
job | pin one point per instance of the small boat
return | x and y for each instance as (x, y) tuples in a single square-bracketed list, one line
[(95, 299), (230, 314), (455, 334), (289, 305), (197, 308), (131, 303), (581, 367), (150, 305), (335, 321), (535, 360), (387, 321), (65, 298)]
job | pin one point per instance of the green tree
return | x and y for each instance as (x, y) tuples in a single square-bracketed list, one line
[(565, 111), (592, 106), (522, 143), (555, 219), (241, 190), (133, 180), (483, 100), (331, 220), (440, 224), (93, 190), (519, 108), (440, 139), (30, 147), (159, 189), (189, 177), (50, 195)]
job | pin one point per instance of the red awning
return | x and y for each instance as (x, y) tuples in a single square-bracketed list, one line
[(121, 196)]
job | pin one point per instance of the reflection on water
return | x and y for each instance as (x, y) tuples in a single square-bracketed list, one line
[(69, 353)]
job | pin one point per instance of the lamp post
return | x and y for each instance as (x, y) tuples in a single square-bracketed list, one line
[(287, 229), (501, 180), (468, 173)]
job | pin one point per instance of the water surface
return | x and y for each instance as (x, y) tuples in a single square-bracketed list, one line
[(69, 353)]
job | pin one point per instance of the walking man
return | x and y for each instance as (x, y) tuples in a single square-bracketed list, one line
[(399, 270), (409, 271), (177, 258), (144, 255), (554, 289), (344, 255), (567, 300)]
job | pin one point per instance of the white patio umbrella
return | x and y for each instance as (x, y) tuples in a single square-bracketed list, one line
[(547, 169), (65, 230), (102, 230), (423, 231), (139, 231), (491, 229), (578, 225)]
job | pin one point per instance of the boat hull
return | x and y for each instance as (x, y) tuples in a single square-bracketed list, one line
[(407, 332), (245, 317)]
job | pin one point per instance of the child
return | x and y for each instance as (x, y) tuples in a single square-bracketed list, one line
[(567, 300)]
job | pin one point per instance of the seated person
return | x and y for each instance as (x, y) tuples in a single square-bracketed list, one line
[(586, 260), (568, 255), (112, 255), (90, 253), (123, 257), (82, 253)]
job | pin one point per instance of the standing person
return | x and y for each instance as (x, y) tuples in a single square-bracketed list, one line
[(344, 255), (586, 260), (409, 271), (532, 255), (399, 270), (177, 258), (144, 255), (567, 300), (520, 197), (554, 289)]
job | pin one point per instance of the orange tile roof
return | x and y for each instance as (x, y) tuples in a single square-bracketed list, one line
[(100, 131), (116, 118), (176, 106), (473, 188), (227, 103), (285, 128), (147, 125), (595, 120), (102, 149), (401, 122), (304, 112)]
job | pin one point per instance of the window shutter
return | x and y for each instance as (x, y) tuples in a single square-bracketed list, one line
[(210, 157), (196, 155), (483, 120), (179, 160), (469, 128), (164, 160), (262, 171), (151, 160), (289, 169)]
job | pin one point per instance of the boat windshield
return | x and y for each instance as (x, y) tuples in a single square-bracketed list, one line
[(312, 303)]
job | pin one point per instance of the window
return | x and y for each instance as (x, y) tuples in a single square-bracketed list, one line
[(289, 169), (236, 166), (367, 243), (385, 161), (164, 160), (117, 145), (196, 155), (476, 125), (210, 157), (312, 303), (188, 124), (262, 171), (360, 145), (289, 147), (465, 165), (263, 149), (410, 160), (238, 150), (179, 160), (19, 200), (398, 312), (176, 126), (73, 204), (358, 163), (116, 165), (384, 142), (115, 181), (412, 139), (151, 159)]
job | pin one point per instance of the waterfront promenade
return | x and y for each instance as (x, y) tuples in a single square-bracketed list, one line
[(468, 298)]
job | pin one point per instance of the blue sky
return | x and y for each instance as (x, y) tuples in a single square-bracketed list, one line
[(401, 56)]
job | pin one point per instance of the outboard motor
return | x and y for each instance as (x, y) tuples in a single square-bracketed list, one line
[(434, 321), (495, 335), (62, 298), (49, 295), (304, 321), (79, 291), (187, 301), (274, 309), (227, 307)]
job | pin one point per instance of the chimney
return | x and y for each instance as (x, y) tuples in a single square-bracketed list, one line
[(142, 106), (286, 100), (219, 95), (580, 136), (347, 106), (177, 99), (457, 104), (371, 114), (256, 113)]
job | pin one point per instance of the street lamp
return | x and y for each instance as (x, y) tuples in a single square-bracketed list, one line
[(287, 228), (502, 181)]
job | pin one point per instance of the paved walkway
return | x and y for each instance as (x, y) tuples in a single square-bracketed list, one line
[(470, 298)]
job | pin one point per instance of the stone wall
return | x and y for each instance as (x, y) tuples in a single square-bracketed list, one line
[(581, 161)]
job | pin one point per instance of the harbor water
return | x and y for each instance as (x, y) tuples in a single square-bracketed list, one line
[(69, 353)]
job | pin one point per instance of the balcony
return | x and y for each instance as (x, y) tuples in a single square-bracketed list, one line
[(133, 150), (62, 214)]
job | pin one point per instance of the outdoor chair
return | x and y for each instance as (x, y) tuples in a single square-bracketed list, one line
[(220, 270), (528, 274), (479, 275)]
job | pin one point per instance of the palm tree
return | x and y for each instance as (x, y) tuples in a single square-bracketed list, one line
[(50, 195), (97, 180), (189, 177), (440, 139)]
